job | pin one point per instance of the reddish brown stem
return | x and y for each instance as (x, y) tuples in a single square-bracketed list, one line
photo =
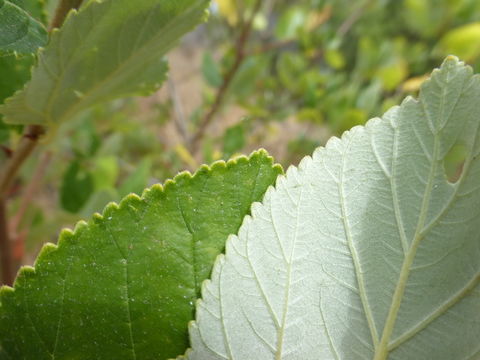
[(22, 152), (62, 11), (6, 258), (227, 79), (29, 193), (24, 149)]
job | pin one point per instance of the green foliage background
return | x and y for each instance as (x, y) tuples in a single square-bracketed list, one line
[(313, 68)]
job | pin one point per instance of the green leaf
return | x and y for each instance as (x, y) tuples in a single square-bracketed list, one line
[(3, 355), (105, 172), (138, 179), (290, 23), (234, 139), (14, 69), (335, 58), (14, 72), (211, 71), (123, 285), (366, 250), (463, 41), (106, 50), (77, 186), (36, 9), (19, 32)]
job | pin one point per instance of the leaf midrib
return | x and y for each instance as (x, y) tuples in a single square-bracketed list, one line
[(382, 351), (465, 289), (84, 102), (281, 330)]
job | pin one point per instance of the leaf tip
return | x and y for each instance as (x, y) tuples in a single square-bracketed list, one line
[(129, 201), (48, 248), (153, 192), (452, 58), (108, 212), (24, 272), (5, 290), (66, 235)]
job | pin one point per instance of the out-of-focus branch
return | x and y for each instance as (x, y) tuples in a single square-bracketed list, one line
[(8, 174), (355, 15), (6, 258), (62, 11), (278, 45), (30, 190), (240, 55), (179, 115), (25, 147)]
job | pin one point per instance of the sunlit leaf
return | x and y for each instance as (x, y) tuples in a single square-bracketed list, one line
[(106, 50), (366, 250), (123, 285)]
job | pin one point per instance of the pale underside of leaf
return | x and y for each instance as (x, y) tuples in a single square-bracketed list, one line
[(123, 285), (106, 50), (365, 251), (19, 32)]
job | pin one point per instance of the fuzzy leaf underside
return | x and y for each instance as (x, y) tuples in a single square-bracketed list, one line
[(19, 31), (123, 285), (106, 50), (366, 250)]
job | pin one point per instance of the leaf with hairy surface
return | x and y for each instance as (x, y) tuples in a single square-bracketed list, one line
[(106, 50), (366, 250), (123, 285)]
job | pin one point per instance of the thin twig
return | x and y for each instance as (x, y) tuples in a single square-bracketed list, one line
[(25, 148), (179, 114), (6, 258), (22, 152), (227, 79), (355, 15), (30, 191), (279, 45), (9, 172)]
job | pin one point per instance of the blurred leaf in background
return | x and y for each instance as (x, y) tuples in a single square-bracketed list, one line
[(137, 68), (20, 32), (77, 186), (14, 67), (234, 139), (463, 41), (211, 71), (310, 69)]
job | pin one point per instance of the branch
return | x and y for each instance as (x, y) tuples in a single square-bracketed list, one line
[(355, 15), (27, 144), (24, 149), (62, 11), (30, 191), (179, 114), (6, 259), (227, 80)]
